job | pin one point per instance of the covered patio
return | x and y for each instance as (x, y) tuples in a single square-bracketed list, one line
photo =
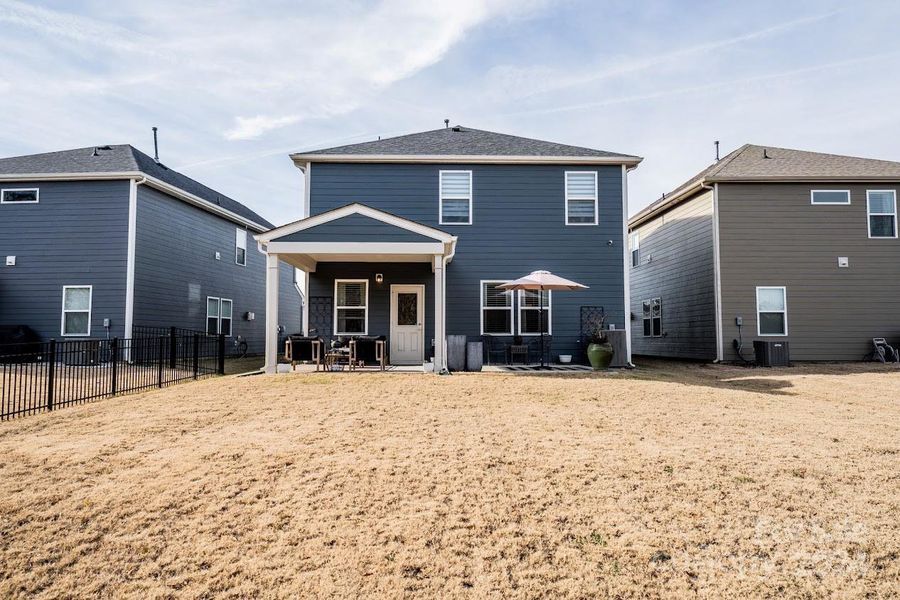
[(353, 249)]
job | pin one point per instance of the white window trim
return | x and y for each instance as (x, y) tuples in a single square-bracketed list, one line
[(650, 318), (869, 213), (222, 301), (219, 315), (596, 197), (470, 197), (635, 246), (90, 309), (336, 307), (237, 246), (812, 198), (784, 312), (37, 195), (481, 307), (548, 312)]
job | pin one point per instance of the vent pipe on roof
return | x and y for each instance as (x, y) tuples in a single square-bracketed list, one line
[(766, 153), (155, 146), (717, 150), (446, 123)]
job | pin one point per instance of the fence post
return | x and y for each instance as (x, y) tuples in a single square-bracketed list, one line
[(162, 357), (114, 350), (51, 375), (220, 354), (196, 355), (173, 347)]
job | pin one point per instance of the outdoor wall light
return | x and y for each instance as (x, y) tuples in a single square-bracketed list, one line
[(379, 278)]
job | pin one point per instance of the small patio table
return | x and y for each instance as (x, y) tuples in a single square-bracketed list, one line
[(337, 358)]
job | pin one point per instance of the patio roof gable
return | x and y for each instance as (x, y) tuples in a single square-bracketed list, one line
[(356, 217), (355, 227)]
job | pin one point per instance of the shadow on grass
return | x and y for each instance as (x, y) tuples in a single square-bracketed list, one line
[(771, 381)]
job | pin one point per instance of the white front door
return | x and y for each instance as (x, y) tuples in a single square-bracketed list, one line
[(407, 324)]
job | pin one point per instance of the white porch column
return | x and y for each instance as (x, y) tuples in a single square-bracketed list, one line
[(440, 361), (271, 313)]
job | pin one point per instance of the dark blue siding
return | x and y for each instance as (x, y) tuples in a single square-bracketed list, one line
[(518, 227), (321, 283), (176, 270), (354, 228), (76, 235)]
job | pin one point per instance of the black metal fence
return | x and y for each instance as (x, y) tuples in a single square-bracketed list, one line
[(47, 375)]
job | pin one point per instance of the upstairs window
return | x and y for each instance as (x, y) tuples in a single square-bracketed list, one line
[(240, 246), (19, 196), (456, 197), (76, 310), (530, 312), (581, 198), (830, 196), (496, 309), (351, 307), (635, 249), (882, 209), (771, 310)]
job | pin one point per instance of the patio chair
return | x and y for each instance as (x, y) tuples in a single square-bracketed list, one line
[(301, 348), (495, 347), (368, 350)]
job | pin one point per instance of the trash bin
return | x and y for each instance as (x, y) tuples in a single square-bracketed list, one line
[(456, 352), (474, 356)]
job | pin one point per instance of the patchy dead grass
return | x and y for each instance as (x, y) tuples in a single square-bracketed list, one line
[(667, 481)]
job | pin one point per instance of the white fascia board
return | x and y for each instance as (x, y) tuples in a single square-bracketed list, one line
[(416, 248), (465, 158), (69, 176), (355, 209)]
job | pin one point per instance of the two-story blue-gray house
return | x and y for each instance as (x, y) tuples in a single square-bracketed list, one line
[(409, 237), (98, 241)]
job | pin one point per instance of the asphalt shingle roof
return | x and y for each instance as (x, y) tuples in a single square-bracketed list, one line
[(768, 163), (464, 141), (120, 158)]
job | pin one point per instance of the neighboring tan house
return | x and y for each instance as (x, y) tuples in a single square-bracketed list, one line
[(409, 237), (797, 246), (98, 241)]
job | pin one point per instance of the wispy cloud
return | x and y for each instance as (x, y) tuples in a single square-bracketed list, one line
[(531, 81), (731, 84), (75, 28)]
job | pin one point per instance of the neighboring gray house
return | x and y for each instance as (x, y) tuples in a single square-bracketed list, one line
[(408, 237), (797, 246), (96, 241)]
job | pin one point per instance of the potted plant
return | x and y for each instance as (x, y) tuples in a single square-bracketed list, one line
[(599, 350)]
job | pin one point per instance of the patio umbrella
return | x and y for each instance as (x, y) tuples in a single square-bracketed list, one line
[(542, 281)]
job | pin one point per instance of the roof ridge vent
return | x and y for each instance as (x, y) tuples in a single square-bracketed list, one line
[(456, 128)]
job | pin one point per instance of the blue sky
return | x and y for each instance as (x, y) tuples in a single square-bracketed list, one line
[(234, 87)]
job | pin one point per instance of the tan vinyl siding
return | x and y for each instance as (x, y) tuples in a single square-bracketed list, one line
[(771, 235), (677, 267)]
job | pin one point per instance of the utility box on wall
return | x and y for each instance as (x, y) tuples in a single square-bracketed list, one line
[(771, 354)]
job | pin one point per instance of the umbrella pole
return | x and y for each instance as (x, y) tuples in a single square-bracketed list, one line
[(541, 321)]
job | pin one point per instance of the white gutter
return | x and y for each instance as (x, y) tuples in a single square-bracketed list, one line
[(130, 260), (464, 158), (717, 275)]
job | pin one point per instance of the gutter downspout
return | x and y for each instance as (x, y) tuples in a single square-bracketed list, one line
[(447, 259), (626, 258), (717, 273), (130, 256)]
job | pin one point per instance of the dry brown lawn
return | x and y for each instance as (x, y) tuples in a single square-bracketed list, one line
[(673, 480)]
